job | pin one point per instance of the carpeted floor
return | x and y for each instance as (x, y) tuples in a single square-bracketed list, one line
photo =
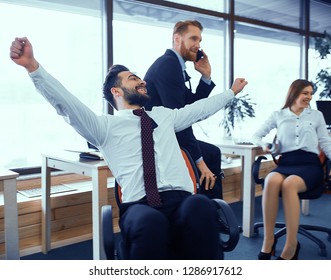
[(320, 211), (247, 248)]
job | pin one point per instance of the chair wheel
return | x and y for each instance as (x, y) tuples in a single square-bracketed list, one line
[(228, 226)]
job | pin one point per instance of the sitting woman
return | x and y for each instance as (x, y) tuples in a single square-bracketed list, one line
[(301, 133)]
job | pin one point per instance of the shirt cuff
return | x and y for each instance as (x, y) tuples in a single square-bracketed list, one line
[(208, 82), (35, 72), (199, 159)]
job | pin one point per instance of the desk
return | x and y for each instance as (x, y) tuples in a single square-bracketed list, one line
[(70, 162), (8, 186), (248, 154)]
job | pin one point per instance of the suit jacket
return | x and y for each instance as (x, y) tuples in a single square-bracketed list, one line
[(166, 87)]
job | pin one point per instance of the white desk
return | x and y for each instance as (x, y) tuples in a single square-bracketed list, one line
[(8, 186), (248, 154), (70, 162)]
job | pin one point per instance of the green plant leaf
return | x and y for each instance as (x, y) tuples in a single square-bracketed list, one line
[(240, 107), (323, 78)]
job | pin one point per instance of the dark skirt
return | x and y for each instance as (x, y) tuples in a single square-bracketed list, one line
[(304, 164)]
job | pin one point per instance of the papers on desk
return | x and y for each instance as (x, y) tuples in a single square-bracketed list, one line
[(88, 154)]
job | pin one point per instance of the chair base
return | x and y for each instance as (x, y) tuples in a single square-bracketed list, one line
[(303, 230), (227, 222)]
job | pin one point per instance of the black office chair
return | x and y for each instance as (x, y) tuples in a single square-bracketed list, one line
[(229, 230), (308, 195)]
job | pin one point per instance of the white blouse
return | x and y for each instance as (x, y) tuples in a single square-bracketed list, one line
[(306, 131)]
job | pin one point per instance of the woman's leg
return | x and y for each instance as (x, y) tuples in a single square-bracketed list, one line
[(291, 186), (270, 201)]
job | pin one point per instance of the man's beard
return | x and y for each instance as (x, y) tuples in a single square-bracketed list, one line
[(135, 98), (187, 54)]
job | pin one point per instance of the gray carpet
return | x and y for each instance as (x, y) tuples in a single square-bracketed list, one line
[(320, 213)]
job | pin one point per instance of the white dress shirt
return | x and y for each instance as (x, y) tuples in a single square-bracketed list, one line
[(306, 131), (118, 137)]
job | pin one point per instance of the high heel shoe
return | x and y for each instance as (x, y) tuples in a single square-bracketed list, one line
[(267, 256), (296, 253)]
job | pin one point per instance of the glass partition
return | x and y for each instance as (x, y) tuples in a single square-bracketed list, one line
[(215, 5), (144, 32), (270, 61), (282, 12), (67, 41), (320, 12)]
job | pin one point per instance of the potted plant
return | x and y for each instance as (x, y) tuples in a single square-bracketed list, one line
[(235, 112), (323, 78)]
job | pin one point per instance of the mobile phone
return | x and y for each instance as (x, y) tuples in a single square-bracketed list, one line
[(199, 55)]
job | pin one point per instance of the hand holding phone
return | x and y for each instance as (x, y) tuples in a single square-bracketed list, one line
[(202, 66), (199, 55)]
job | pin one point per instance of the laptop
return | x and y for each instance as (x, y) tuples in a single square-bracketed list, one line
[(92, 153)]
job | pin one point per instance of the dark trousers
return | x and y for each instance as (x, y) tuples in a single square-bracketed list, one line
[(185, 227), (212, 157)]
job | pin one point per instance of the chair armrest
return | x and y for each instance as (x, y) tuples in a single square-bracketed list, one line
[(228, 225), (256, 169)]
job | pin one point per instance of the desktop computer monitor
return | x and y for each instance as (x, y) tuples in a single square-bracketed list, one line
[(325, 107)]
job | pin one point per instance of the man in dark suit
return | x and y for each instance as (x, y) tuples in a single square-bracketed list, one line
[(168, 85)]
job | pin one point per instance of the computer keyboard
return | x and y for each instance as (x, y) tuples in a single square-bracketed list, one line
[(244, 143), (37, 191)]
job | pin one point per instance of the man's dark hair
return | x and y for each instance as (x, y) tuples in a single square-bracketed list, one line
[(112, 80)]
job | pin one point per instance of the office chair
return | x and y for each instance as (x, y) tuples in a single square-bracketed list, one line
[(229, 230), (308, 195)]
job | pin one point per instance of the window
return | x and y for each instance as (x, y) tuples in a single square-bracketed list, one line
[(143, 32), (281, 12), (320, 11), (268, 47), (67, 37), (319, 22), (215, 5), (67, 41), (270, 61)]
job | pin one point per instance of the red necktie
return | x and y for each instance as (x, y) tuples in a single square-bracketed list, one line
[(147, 144)]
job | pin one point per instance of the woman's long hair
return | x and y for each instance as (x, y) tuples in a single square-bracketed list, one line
[(295, 90)]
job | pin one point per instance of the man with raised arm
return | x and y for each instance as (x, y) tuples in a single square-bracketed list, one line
[(177, 226)]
